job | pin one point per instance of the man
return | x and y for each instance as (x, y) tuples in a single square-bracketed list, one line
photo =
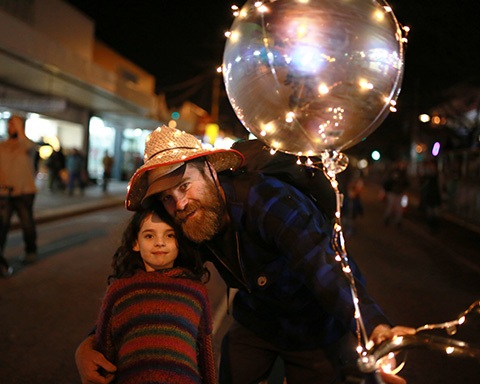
[(293, 300), (17, 174)]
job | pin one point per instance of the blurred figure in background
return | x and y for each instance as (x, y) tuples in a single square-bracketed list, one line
[(395, 187), (351, 184), (75, 164), (107, 170), (55, 163), (17, 173), (354, 190), (430, 195)]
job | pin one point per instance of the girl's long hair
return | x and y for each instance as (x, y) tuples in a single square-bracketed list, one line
[(126, 261)]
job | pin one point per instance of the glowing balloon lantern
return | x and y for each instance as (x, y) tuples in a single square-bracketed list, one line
[(307, 76)]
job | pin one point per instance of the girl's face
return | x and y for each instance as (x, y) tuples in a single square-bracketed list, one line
[(156, 243)]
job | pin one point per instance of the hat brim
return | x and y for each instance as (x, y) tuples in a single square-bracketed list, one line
[(160, 180), (220, 159)]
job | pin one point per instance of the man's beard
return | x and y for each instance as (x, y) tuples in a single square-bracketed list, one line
[(210, 211)]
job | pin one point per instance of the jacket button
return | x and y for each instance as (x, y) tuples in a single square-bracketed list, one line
[(261, 281)]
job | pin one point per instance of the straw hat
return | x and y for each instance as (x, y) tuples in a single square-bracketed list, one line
[(166, 151)]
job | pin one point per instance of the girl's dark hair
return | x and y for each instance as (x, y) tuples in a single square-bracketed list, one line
[(126, 261)]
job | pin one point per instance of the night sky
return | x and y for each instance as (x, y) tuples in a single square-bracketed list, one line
[(181, 43)]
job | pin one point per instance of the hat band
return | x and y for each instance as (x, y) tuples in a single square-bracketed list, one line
[(170, 149)]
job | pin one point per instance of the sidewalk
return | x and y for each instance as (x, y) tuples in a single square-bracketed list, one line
[(52, 206)]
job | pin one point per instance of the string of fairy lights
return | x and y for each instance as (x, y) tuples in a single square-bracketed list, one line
[(333, 162)]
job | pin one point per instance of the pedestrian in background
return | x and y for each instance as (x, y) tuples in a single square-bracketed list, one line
[(17, 172), (354, 190), (75, 164), (55, 163), (430, 194), (107, 170), (395, 187), (155, 322)]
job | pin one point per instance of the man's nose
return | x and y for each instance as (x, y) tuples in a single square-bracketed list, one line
[(180, 201)]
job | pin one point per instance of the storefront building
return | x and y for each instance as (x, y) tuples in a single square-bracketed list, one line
[(74, 92)]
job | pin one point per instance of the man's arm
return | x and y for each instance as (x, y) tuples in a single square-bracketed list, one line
[(92, 366)]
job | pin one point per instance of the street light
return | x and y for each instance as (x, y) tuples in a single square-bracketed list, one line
[(375, 155), (424, 118)]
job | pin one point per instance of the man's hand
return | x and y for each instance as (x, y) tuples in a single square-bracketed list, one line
[(383, 332), (388, 378), (90, 362)]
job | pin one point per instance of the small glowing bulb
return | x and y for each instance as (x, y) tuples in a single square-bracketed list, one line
[(379, 16), (289, 117), (236, 10), (323, 89), (263, 9), (387, 368)]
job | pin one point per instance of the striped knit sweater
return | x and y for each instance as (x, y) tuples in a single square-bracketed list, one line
[(156, 327)]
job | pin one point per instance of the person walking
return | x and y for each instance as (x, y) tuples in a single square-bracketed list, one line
[(395, 187), (431, 195), (293, 300), (75, 164), (155, 322), (17, 174), (107, 162), (55, 164)]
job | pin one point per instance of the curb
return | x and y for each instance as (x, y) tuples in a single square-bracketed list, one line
[(52, 214)]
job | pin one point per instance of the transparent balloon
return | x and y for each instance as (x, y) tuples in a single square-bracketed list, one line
[(308, 76)]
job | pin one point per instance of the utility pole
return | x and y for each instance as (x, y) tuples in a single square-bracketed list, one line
[(215, 99)]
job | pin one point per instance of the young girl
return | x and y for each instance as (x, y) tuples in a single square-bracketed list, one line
[(155, 322)]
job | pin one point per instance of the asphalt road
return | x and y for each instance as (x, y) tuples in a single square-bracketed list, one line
[(421, 277), (417, 276)]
